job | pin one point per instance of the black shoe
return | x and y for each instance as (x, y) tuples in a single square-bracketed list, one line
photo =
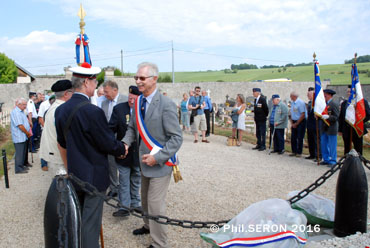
[(112, 194), (28, 165), (315, 160), (274, 152), (324, 163), (207, 135), (137, 209), (121, 213), (141, 231), (309, 157), (21, 172), (282, 152), (25, 168), (256, 148), (262, 149), (150, 246), (292, 154)]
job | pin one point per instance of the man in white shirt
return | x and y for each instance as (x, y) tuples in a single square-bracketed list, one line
[(49, 146)]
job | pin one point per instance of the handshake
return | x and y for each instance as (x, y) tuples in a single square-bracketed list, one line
[(126, 152)]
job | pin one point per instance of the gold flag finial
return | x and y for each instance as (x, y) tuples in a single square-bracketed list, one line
[(314, 56), (355, 58), (82, 14)]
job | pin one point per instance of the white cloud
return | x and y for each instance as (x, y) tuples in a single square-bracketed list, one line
[(40, 48), (252, 23)]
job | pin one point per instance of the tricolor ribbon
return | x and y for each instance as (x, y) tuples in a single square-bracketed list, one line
[(153, 145), (257, 241)]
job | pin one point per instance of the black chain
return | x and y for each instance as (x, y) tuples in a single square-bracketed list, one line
[(365, 161), (113, 202), (61, 185), (302, 194)]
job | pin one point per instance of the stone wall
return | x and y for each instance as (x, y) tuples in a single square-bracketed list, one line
[(218, 90)]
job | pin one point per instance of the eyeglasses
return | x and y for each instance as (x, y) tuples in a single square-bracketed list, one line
[(197, 91), (141, 78)]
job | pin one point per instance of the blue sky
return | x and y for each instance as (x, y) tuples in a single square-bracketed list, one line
[(207, 34)]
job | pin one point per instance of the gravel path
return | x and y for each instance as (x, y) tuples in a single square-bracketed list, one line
[(219, 182)]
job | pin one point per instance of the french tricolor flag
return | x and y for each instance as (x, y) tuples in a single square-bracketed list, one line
[(355, 113), (319, 102)]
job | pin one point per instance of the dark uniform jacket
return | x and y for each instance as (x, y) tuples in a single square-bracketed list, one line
[(118, 124), (333, 112), (344, 127), (89, 140), (261, 110)]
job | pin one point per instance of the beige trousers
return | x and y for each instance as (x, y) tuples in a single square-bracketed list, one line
[(153, 200)]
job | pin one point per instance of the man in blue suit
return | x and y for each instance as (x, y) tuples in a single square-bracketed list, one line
[(84, 141), (129, 167)]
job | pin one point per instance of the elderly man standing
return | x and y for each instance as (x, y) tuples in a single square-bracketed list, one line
[(298, 123), (278, 119), (329, 130), (112, 99), (156, 118), (49, 147), (84, 140), (20, 128), (261, 112), (129, 167)]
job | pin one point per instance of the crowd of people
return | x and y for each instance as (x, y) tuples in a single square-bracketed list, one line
[(129, 143), (321, 131)]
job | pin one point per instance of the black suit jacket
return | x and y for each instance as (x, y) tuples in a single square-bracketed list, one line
[(344, 127), (88, 142), (261, 110), (118, 124)]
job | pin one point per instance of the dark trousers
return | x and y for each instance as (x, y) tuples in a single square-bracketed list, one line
[(207, 113), (261, 133), (34, 134), (278, 138), (91, 218), (26, 156), (312, 142), (298, 136), (357, 142), (20, 153)]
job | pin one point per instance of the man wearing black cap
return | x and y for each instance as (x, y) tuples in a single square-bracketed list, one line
[(49, 146), (84, 141), (329, 130), (311, 126), (261, 112), (278, 119), (345, 129), (129, 167)]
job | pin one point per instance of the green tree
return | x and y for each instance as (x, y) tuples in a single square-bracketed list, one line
[(165, 78), (8, 70), (117, 72), (100, 77)]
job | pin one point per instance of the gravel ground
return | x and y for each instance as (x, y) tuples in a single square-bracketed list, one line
[(219, 182)]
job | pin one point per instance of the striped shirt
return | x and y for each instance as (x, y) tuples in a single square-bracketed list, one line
[(18, 117)]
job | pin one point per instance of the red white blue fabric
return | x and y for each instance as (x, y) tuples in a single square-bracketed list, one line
[(319, 103), (355, 113), (153, 145)]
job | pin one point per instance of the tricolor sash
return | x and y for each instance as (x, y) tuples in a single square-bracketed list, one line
[(257, 241), (153, 145)]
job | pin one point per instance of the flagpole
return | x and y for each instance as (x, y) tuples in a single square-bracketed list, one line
[(350, 136), (317, 121)]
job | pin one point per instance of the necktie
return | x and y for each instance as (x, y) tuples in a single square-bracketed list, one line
[(143, 108), (110, 109)]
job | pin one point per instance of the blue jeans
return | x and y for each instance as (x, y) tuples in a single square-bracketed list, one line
[(129, 185), (44, 163), (185, 119), (329, 148), (298, 136)]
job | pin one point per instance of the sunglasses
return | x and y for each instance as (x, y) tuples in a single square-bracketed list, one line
[(141, 78)]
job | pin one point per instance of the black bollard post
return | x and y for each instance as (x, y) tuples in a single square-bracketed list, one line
[(213, 122), (351, 197), (5, 164)]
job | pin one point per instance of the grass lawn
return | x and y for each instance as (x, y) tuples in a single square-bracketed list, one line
[(338, 74)]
